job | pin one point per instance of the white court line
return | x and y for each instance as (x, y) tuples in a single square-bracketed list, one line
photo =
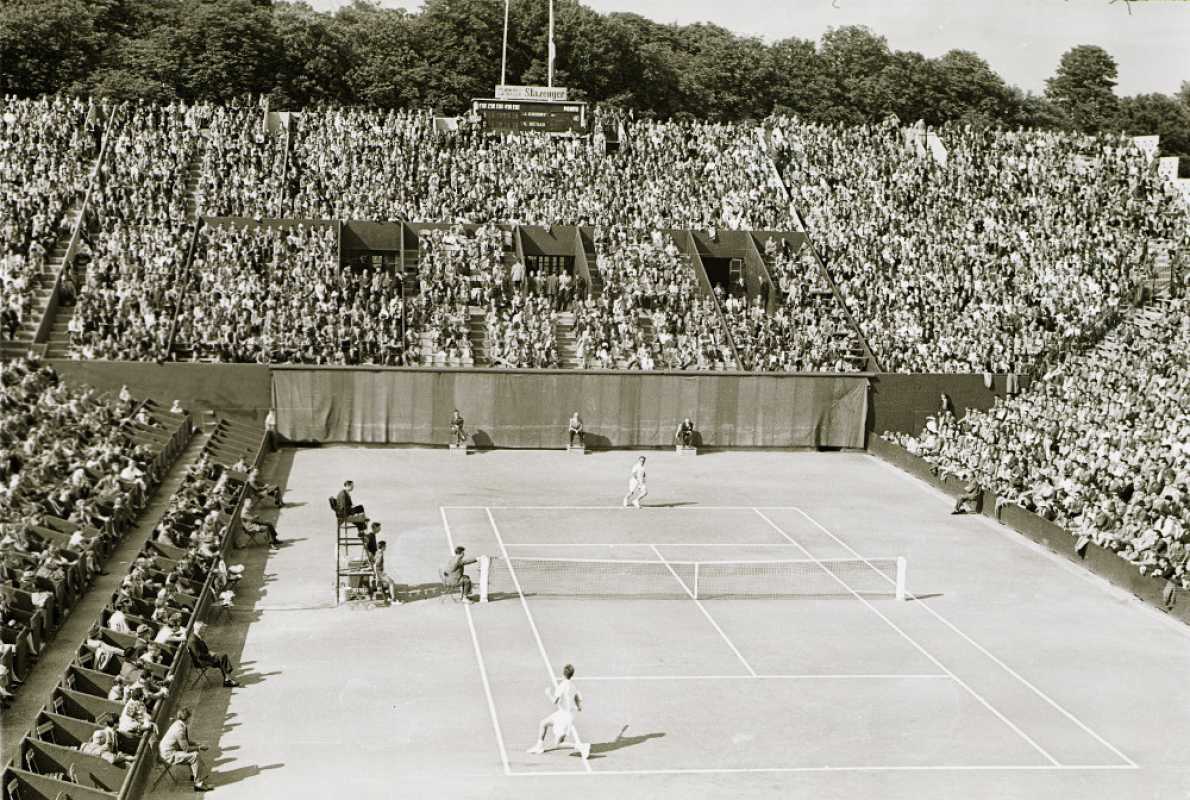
[(619, 508), (650, 544), (805, 677), (483, 671), (985, 651), (917, 646), (528, 614), (857, 768), (706, 613)]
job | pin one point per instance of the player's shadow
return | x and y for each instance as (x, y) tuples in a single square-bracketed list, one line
[(678, 504), (619, 743)]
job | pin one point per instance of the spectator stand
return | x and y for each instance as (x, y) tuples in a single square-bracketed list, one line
[(695, 244), (43, 294), (43, 607), (49, 764)]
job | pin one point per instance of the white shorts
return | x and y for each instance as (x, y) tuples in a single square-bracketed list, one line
[(633, 486), (562, 722)]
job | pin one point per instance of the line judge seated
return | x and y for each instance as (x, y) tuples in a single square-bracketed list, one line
[(454, 576), (347, 511), (684, 435), (576, 430)]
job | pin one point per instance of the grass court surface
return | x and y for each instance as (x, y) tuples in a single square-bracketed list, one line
[(1006, 674)]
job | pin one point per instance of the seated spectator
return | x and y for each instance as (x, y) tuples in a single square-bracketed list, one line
[(176, 747), (205, 658)]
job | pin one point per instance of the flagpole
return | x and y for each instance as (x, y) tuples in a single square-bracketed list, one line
[(504, 51), (551, 45)]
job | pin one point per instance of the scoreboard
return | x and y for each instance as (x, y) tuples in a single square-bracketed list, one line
[(558, 117)]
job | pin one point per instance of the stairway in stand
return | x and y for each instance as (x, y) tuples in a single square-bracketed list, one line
[(566, 340), (45, 287), (477, 332)]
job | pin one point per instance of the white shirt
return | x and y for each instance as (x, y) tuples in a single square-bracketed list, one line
[(566, 696), (638, 472)]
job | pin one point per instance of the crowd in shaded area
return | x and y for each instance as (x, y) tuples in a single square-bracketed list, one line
[(1015, 246), (75, 469), (1100, 445)]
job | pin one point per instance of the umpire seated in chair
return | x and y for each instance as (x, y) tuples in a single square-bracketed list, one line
[(347, 512)]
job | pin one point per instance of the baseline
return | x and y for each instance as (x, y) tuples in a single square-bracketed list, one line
[(855, 768)]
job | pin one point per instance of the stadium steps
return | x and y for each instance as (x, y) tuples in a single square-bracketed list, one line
[(193, 176), (477, 332), (45, 287), (566, 340)]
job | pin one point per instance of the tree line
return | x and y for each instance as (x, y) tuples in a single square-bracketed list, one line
[(449, 52)]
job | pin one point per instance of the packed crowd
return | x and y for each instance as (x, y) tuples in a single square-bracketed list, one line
[(128, 291), (647, 312), (359, 164), (805, 330), (1021, 243), (265, 294), (1015, 246), (47, 150), (1100, 446), (242, 167), (72, 478)]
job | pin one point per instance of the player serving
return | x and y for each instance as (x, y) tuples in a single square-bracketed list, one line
[(567, 701), (637, 490)]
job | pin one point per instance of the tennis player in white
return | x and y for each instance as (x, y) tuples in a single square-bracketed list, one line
[(567, 701), (637, 489)]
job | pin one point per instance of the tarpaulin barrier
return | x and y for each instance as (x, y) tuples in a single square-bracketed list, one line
[(531, 408)]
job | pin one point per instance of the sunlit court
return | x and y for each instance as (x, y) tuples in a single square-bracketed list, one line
[(739, 634)]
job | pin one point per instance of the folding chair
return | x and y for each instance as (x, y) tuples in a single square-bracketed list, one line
[(202, 668), (254, 536), (167, 769)]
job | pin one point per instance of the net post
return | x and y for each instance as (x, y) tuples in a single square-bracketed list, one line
[(902, 567), (485, 563), (695, 580)]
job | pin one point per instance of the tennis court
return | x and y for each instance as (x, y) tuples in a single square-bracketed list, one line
[(1007, 673), (836, 675)]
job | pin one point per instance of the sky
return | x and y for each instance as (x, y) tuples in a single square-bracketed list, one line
[(1022, 40)]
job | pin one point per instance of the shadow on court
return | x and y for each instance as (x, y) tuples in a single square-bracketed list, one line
[(619, 743)]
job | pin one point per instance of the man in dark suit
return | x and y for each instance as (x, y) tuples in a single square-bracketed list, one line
[(203, 657), (349, 512)]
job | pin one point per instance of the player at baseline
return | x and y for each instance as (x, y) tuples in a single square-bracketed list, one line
[(637, 490), (568, 701)]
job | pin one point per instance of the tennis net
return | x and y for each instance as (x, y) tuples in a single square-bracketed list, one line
[(699, 580)]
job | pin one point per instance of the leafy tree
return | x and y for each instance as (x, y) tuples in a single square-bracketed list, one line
[(855, 57), (798, 79), (1084, 88), (1161, 114), (46, 45), (314, 56), (969, 90)]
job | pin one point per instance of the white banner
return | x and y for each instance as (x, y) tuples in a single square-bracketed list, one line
[(511, 92)]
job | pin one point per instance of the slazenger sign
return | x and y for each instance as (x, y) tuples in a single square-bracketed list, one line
[(508, 92)]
